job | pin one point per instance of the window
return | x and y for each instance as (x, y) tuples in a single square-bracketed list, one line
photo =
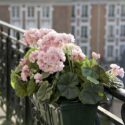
[(122, 30), (111, 31), (73, 30), (15, 12), (110, 51), (31, 12), (73, 11), (111, 12), (46, 11), (45, 16), (123, 10), (122, 49), (85, 11), (84, 31)]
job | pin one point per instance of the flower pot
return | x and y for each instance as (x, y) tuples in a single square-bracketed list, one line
[(70, 114)]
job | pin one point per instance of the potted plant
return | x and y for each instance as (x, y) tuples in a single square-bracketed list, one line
[(65, 85)]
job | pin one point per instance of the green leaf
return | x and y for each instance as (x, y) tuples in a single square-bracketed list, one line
[(45, 75), (93, 80), (14, 78), (90, 94), (86, 63), (68, 78), (93, 62), (33, 66), (68, 92), (115, 83), (45, 91), (20, 88), (31, 87), (89, 72), (67, 85)]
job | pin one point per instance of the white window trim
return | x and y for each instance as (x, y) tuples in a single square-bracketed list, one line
[(82, 23), (35, 12), (107, 11), (19, 20), (121, 17), (28, 19), (50, 19)]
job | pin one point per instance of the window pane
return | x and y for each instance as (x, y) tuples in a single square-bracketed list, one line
[(46, 11), (15, 12), (123, 10), (111, 11), (110, 51), (111, 31), (73, 30), (31, 12), (122, 49), (84, 32), (85, 11), (123, 30), (73, 11)]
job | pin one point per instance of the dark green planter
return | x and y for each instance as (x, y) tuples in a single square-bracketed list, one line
[(70, 114)]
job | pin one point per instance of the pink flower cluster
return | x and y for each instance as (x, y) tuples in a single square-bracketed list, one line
[(38, 77), (52, 60), (117, 70), (33, 56), (45, 37), (55, 39), (95, 55), (25, 72), (75, 52), (50, 54), (33, 35)]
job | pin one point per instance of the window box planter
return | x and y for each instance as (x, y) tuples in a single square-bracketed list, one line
[(69, 114)]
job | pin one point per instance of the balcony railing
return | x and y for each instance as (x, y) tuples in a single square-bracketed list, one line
[(11, 50)]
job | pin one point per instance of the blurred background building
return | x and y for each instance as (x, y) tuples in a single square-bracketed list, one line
[(98, 25)]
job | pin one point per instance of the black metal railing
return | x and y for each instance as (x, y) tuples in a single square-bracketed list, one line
[(11, 50)]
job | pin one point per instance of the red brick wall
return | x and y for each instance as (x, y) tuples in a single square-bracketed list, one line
[(98, 29), (62, 18), (4, 13)]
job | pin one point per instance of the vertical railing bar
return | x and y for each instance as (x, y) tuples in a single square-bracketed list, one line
[(8, 60)]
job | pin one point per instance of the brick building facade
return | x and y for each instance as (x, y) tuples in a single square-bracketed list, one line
[(98, 25)]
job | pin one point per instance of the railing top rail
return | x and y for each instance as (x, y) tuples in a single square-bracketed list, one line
[(118, 93), (11, 26)]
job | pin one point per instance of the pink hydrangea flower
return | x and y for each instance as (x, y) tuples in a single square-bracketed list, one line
[(49, 40), (114, 66), (31, 36), (75, 51), (65, 38), (44, 31), (54, 39), (95, 55), (121, 72), (25, 72), (33, 56), (52, 60), (38, 77), (117, 71)]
